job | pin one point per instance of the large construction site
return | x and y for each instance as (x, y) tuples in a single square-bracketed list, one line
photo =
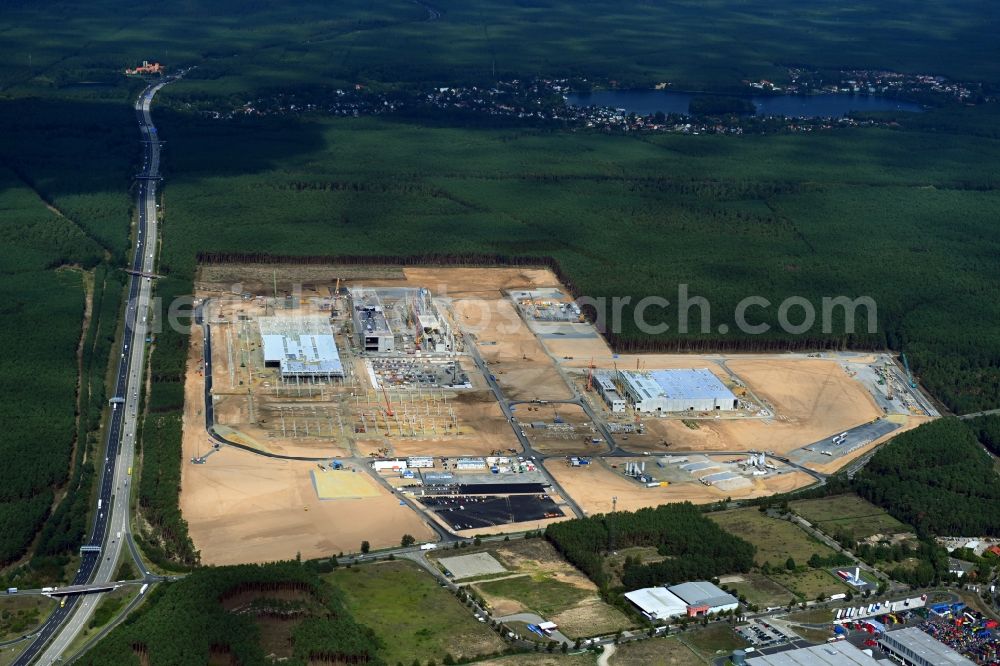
[(365, 403)]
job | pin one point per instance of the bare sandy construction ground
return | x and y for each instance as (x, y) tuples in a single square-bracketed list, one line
[(559, 429), (511, 350), (811, 399), (594, 485), (241, 507)]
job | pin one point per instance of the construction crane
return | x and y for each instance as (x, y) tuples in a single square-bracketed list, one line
[(909, 375), (590, 376), (388, 405), (336, 298)]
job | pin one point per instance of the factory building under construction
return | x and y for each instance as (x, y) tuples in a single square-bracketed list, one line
[(370, 323), (431, 332), (660, 391), (605, 385), (300, 347)]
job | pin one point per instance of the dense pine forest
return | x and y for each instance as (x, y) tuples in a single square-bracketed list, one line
[(63, 232), (695, 547), (937, 478)]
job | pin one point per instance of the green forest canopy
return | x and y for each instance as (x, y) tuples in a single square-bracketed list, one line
[(937, 478), (215, 610), (245, 46), (695, 547)]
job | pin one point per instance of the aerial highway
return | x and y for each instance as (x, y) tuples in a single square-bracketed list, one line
[(99, 559)]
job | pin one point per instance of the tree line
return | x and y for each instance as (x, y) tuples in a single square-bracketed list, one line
[(937, 478), (192, 620), (695, 547)]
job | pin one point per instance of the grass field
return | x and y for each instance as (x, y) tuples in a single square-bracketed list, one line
[(848, 513), (411, 613), (614, 563), (713, 641), (8, 655), (776, 540), (813, 635), (542, 659), (760, 590), (811, 616), (542, 595), (20, 614), (656, 652), (544, 583), (808, 585)]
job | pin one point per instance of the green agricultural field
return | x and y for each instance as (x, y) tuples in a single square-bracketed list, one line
[(411, 613), (848, 514), (776, 540)]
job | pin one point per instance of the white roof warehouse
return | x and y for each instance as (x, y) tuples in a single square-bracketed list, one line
[(693, 599)]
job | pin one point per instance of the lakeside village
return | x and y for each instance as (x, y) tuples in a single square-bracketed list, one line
[(543, 102)]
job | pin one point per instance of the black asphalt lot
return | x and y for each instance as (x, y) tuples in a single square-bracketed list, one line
[(465, 512)]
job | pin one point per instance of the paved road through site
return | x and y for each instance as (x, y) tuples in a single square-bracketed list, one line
[(111, 525)]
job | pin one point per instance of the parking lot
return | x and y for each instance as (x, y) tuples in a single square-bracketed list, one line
[(466, 512), (762, 633)]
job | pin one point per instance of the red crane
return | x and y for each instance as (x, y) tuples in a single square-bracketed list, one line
[(388, 405)]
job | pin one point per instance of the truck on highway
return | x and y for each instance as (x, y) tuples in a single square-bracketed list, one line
[(48, 589), (145, 586), (428, 546), (11, 590), (100, 503)]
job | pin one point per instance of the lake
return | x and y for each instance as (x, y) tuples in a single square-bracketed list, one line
[(833, 105)]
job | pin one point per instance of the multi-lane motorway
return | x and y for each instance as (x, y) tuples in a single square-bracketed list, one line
[(111, 523)]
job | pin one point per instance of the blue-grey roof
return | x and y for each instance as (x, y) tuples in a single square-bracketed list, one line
[(929, 649), (696, 383), (702, 593), (301, 345)]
